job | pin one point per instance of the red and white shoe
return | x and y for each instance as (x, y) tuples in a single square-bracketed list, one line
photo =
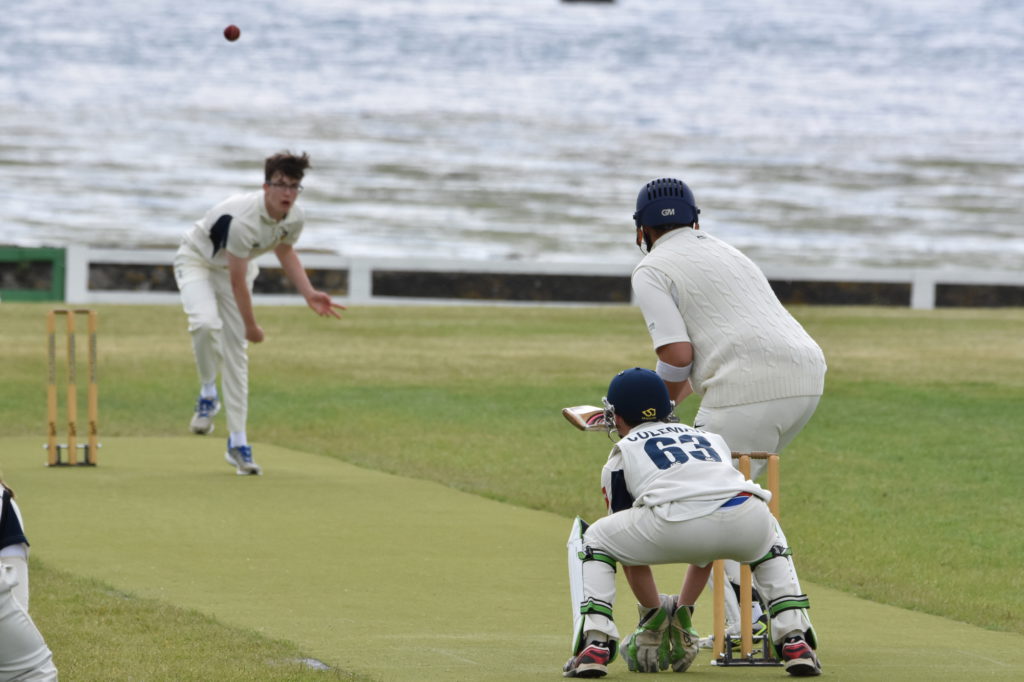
[(591, 662), (799, 658)]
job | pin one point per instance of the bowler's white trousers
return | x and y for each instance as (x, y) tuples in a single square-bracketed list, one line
[(218, 333), (639, 536), (24, 655)]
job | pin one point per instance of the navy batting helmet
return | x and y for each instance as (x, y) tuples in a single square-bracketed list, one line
[(639, 395), (665, 202)]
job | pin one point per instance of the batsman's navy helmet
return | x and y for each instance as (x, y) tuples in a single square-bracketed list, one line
[(665, 202), (639, 395)]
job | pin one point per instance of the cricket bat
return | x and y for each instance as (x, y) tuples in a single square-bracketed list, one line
[(585, 417)]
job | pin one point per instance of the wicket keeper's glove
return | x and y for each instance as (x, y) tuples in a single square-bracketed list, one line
[(647, 649), (682, 637)]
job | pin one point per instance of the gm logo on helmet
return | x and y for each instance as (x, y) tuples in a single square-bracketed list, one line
[(668, 211), (649, 413)]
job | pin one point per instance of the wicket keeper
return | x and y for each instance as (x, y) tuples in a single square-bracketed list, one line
[(673, 496)]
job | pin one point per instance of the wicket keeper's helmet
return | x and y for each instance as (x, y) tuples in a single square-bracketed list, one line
[(665, 202), (639, 395)]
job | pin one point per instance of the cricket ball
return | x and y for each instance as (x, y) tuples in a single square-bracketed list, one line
[(232, 32)]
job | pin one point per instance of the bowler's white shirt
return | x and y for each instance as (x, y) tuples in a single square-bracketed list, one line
[(252, 231)]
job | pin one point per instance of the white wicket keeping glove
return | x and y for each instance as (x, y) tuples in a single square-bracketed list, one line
[(647, 649), (684, 642)]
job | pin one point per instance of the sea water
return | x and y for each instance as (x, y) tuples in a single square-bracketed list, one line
[(820, 132)]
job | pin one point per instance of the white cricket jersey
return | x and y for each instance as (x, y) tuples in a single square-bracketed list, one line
[(682, 472), (240, 225), (747, 348)]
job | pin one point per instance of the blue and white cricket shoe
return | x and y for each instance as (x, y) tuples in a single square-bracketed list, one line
[(240, 457), (202, 419)]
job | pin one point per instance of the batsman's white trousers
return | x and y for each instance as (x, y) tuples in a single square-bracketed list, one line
[(767, 426), (218, 333), (638, 536), (23, 652)]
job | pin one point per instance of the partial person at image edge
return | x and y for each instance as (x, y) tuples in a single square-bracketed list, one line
[(23, 651)]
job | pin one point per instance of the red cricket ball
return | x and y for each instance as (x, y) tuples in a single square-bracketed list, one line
[(232, 32)]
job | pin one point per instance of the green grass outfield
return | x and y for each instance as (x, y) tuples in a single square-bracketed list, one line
[(440, 553)]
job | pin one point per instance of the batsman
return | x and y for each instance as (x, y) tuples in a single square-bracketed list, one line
[(673, 496), (720, 333)]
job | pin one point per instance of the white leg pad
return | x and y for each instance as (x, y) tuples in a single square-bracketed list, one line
[(777, 582), (591, 589)]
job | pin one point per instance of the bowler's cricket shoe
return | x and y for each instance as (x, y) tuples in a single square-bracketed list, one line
[(591, 662), (799, 658), (240, 457), (202, 419)]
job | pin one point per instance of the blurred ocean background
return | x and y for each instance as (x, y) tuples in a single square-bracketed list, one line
[(813, 132)]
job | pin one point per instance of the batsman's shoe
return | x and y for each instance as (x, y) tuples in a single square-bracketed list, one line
[(591, 662), (647, 649), (684, 643), (202, 418), (759, 629), (799, 658), (240, 457)]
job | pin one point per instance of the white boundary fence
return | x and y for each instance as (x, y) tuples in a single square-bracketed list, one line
[(923, 283)]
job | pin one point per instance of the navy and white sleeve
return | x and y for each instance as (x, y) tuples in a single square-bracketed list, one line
[(11, 532), (219, 232), (613, 484)]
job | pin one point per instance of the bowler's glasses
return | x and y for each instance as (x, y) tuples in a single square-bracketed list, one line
[(285, 187)]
